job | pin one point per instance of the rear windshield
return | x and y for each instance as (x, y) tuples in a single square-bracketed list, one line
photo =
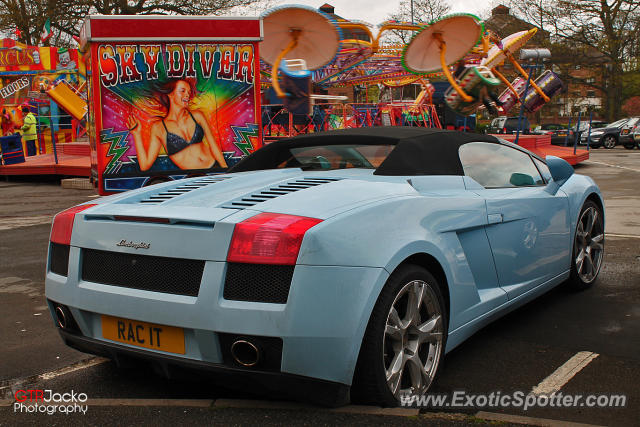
[(327, 157)]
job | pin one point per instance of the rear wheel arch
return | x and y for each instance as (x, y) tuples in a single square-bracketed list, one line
[(366, 384), (433, 266)]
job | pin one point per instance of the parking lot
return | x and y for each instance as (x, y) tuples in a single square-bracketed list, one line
[(515, 353)]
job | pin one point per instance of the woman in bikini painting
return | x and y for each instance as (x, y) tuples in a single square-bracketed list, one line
[(181, 132)]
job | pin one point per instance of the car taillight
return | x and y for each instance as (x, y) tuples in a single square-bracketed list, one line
[(504, 130), (269, 238), (63, 224)]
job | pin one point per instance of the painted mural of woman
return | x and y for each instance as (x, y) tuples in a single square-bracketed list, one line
[(181, 132)]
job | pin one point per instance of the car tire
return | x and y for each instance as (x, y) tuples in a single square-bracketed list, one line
[(587, 254), (630, 146), (397, 357), (609, 141)]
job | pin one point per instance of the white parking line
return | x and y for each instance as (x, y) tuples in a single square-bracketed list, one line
[(554, 382), (625, 236), (7, 387), (610, 165), (530, 421), (9, 223)]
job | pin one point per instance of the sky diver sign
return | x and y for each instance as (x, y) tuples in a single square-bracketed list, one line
[(172, 96), (120, 64)]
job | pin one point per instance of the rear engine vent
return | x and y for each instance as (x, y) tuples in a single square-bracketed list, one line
[(59, 259), (148, 273), (258, 282), (183, 189), (279, 190)]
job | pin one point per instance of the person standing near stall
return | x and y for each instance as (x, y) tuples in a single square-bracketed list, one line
[(7, 123), (29, 132)]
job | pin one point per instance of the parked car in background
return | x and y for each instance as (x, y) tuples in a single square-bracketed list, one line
[(509, 125), (607, 137), (636, 136), (583, 129), (626, 133), (557, 131)]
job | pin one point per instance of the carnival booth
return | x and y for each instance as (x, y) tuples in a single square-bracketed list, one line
[(27, 73), (170, 96)]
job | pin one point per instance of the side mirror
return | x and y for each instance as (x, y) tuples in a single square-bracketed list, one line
[(560, 169)]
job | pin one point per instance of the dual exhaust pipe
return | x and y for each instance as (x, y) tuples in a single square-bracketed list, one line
[(62, 317), (246, 353)]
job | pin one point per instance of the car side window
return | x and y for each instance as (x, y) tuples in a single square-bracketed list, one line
[(498, 166), (544, 170)]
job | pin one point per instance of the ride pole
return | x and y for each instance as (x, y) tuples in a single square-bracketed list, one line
[(526, 88), (589, 134), (575, 140), (53, 144), (566, 137)]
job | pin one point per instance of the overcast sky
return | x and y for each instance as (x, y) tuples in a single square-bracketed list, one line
[(376, 11)]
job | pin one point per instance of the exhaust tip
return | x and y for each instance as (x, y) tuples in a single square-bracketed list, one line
[(61, 317), (245, 353)]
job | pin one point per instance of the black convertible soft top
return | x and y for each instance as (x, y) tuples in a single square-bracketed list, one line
[(418, 151)]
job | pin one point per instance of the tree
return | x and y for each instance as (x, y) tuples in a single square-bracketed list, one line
[(632, 106), (66, 16), (424, 11), (600, 35)]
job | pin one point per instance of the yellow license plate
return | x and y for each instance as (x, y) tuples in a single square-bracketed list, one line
[(562, 134), (143, 334)]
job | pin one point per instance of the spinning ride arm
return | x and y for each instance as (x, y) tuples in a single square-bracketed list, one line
[(506, 82), (445, 69), (526, 75), (274, 70)]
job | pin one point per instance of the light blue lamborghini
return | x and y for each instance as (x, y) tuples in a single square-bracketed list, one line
[(344, 263)]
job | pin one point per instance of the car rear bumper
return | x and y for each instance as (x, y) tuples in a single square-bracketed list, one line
[(321, 325), (290, 386), (593, 141), (626, 139)]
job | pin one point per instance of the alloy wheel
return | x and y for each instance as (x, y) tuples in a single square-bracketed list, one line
[(413, 339), (589, 246), (609, 141)]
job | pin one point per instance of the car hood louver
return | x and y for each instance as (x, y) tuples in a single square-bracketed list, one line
[(165, 195), (271, 192)]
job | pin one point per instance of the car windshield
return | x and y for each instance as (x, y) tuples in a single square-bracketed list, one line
[(328, 157), (585, 125), (618, 124)]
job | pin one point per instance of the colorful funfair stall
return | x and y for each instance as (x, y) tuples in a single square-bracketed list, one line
[(170, 96), (26, 74)]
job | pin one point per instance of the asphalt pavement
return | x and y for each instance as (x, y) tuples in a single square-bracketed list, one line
[(539, 342)]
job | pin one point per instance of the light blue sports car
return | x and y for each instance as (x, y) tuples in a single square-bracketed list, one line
[(344, 263)]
